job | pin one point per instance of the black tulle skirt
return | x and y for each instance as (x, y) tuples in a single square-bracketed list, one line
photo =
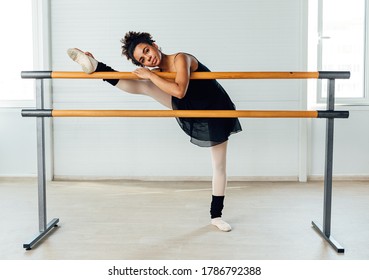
[(206, 95)]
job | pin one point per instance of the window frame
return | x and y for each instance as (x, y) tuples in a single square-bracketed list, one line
[(320, 89), (35, 8)]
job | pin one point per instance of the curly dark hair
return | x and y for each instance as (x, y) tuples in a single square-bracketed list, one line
[(131, 40)]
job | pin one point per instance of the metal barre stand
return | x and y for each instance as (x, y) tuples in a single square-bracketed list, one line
[(44, 228), (324, 231)]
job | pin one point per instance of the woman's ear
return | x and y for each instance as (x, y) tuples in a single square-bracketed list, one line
[(155, 45)]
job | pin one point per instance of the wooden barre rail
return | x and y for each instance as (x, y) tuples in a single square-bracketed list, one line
[(194, 75), (185, 113), (182, 113)]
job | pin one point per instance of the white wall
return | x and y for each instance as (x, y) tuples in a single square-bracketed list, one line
[(248, 35), (225, 36), (351, 145), (17, 144)]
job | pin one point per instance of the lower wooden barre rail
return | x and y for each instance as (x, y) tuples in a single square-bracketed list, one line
[(185, 113)]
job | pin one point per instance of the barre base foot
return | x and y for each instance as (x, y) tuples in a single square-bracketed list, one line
[(41, 235), (336, 246)]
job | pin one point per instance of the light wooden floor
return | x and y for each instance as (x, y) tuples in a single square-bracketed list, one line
[(135, 220)]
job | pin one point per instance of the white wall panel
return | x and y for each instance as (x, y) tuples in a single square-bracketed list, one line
[(262, 35), (17, 144)]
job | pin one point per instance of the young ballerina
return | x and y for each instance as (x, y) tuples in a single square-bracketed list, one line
[(178, 94)]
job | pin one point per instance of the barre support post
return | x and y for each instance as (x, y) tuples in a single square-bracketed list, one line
[(325, 231), (44, 228), (330, 75), (36, 74)]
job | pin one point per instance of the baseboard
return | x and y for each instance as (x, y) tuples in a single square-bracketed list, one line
[(189, 178), (176, 178), (340, 178), (15, 179)]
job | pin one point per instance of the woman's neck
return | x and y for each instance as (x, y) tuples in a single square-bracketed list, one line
[(166, 63)]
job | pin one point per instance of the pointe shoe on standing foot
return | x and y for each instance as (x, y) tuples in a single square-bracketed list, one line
[(220, 224), (87, 62)]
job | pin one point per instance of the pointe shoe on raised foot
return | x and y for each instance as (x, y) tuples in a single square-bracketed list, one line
[(220, 224), (88, 63)]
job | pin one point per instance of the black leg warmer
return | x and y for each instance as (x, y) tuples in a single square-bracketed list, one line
[(101, 67), (216, 206)]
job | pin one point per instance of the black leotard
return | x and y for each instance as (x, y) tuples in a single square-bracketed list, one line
[(206, 95)]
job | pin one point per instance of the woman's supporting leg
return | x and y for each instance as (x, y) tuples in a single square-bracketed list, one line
[(219, 183), (219, 164)]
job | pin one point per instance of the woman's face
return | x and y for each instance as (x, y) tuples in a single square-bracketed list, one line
[(148, 55)]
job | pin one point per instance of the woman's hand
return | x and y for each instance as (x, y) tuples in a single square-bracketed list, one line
[(143, 73)]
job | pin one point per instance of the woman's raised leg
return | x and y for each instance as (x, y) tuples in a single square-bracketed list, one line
[(147, 88), (90, 64)]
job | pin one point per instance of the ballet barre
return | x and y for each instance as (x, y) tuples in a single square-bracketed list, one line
[(184, 113), (329, 114), (193, 76)]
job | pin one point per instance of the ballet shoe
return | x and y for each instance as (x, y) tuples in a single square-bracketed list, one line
[(220, 224), (88, 63)]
